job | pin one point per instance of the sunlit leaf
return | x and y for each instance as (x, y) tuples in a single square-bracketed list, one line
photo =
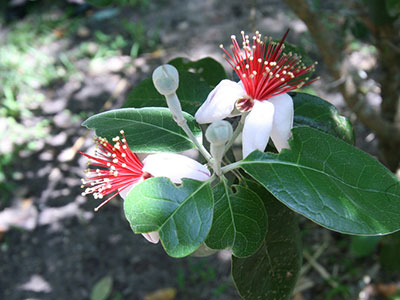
[(182, 215), (317, 113), (330, 182), (146, 129)]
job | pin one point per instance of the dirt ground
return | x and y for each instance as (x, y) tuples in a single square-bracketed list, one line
[(62, 248)]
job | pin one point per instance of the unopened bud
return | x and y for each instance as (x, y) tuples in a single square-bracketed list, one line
[(166, 79), (219, 133)]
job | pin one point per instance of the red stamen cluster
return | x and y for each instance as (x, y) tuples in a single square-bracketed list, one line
[(264, 69), (113, 168)]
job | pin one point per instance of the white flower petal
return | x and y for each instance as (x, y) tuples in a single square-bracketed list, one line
[(283, 120), (257, 127), (175, 167), (220, 102), (152, 237)]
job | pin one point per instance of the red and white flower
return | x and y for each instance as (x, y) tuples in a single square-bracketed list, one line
[(115, 170), (266, 75)]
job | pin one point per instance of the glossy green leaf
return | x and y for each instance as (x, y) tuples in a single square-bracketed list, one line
[(207, 68), (146, 130), (240, 221), (192, 92), (272, 272), (330, 182), (182, 215), (317, 113)]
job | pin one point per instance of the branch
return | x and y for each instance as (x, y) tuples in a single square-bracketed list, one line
[(332, 52)]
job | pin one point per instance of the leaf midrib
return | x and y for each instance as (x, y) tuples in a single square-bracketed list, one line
[(183, 203), (231, 211)]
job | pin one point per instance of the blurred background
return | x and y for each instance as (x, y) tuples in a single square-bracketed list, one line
[(63, 61)]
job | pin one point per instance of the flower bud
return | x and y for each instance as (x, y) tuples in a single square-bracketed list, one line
[(166, 79), (219, 133)]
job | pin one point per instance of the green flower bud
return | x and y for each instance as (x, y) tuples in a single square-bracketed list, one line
[(166, 79), (219, 133)]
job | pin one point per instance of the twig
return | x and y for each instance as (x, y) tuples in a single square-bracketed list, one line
[(303, 285), (320, 269), (316, 255), (332, 53)]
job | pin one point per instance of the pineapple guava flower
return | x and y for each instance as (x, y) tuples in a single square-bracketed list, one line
[(266, 75), (115, 169)]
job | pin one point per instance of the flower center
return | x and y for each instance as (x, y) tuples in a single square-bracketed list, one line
[(146, 175), (113, 168), (264, 69), (244, 104)]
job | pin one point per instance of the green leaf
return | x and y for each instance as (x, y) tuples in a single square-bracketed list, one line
[(148, 130), (207, 68), (393, 8), (317, 113), (240, 221), (182, 215), (100, 3), (272, 272), (102, 289), (192, 92), (389, 254), (330, 182), (361, 246)]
